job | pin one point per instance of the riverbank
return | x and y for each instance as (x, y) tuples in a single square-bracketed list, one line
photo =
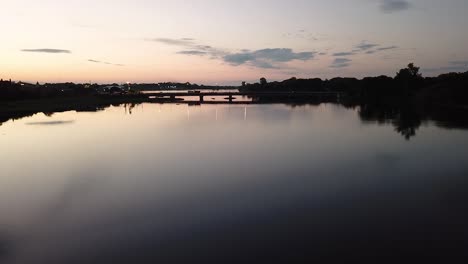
[(409, 110), (23, 108)]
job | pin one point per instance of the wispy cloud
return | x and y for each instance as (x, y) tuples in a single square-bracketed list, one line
[(372, 51), (105, 62), (392, 6), (264, 58), (387, 48), (363, 46), (47, 50), (177, 42), (192, 52), (267, 58), (341, 63), (341, 54), (303, 34), (190, 46)]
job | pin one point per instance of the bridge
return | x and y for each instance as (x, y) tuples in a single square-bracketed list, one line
[(230, 96)]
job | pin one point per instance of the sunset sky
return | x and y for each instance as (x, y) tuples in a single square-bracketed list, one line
[(225, 41)]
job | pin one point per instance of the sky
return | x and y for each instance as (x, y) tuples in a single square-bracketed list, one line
[(227, 42)]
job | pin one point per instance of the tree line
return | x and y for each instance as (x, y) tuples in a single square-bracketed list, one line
[(450, 88), (408, 82)]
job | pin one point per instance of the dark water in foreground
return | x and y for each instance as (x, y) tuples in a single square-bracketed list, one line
[(230, 184)]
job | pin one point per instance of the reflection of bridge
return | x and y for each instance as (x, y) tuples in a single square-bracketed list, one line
[(230, 96)]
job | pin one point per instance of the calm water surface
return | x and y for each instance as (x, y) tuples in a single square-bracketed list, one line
[(228, 184)]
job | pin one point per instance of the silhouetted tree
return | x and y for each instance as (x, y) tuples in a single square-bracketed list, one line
[(263, 81), (411, 72), (407, 121), (409, 78)]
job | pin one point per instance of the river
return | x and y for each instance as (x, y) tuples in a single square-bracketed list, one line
[(171, 183)]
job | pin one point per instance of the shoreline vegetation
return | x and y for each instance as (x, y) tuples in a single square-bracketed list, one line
[(407, 100)]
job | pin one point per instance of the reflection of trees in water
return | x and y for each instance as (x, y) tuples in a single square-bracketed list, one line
[(5, 117), (404, 117), (407, 122), (129, 107), (21, 112), (450, 118)]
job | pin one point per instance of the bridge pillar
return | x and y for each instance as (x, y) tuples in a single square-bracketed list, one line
[(201, 98), (172, 97), (230, 98)]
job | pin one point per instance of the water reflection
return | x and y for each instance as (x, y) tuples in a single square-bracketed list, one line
[(129, 108), (232, 183), (51, 123), (404, 116)]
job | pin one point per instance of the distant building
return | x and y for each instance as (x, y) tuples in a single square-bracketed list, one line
[(111, 89)]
